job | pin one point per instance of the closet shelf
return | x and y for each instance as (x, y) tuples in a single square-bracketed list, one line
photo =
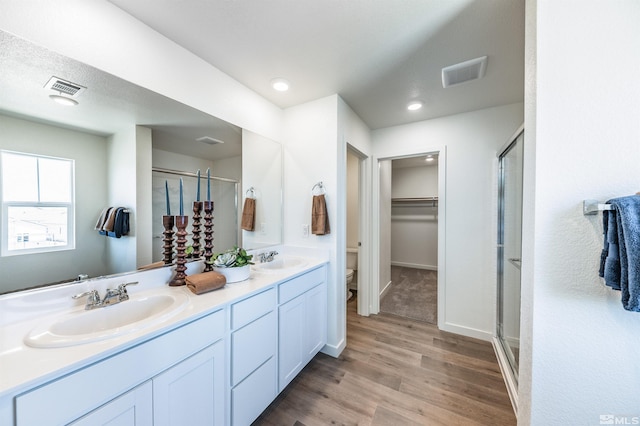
[(417, 201)]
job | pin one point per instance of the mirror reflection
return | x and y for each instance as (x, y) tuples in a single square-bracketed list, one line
[(125, 142)]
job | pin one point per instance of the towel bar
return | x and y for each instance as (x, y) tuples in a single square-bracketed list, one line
[(591, 207)]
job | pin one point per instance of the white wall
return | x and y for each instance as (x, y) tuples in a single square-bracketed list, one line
[(99, 32), (315, 149), (384, 255), (582, 133), (89, 153), (122, 190), (412, 182), (144, 207), (354, 134), (471, 141), (414, 226), (310, 145), (353, 212), (262, 171)]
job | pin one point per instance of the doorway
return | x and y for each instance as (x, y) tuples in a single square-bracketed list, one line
[(357, 231), (412, 290)]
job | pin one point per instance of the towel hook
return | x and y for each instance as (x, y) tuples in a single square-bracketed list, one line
[(318, 185), (252, 191)]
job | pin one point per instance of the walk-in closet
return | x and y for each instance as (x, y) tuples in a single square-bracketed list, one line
[(413, 239)]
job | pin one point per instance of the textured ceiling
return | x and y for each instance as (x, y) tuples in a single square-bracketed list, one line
[(376, 54)]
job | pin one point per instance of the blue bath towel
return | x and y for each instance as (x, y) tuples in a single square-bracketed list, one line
[(620, 259), (610, 259)]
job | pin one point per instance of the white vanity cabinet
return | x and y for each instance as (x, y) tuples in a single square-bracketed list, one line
[(133, 408), (222, 367), (175, 376), (253, 346), (302, 323)]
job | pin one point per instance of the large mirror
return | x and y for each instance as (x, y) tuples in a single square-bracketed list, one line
[(125, 142)]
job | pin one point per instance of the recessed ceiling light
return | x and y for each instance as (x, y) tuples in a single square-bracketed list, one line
[(63, 100), (414, 105), (280, 84), (429, 158)]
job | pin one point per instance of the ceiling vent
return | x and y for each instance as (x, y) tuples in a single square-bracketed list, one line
[(209, 140), (464, 72), (61, 86)]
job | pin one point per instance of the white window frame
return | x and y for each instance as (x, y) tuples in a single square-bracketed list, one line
[(70, 207)]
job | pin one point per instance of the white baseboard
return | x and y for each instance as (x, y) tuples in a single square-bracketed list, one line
[(385, 289), (415, 265), (334, 350), (466, 331)]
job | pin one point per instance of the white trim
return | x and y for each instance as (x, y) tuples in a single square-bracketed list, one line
[(442, 235), (374, 284), (364, 231), (466, 331), (334, 350), (385, 289), (507, 373)]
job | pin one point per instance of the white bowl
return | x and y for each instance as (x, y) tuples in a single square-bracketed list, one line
[(234, 275)]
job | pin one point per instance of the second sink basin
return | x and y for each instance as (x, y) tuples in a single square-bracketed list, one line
[(281, 264), (80, 326)]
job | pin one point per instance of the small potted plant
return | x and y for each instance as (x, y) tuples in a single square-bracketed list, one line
[(234, 264)]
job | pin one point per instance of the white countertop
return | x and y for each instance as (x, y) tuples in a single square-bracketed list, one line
[(22, 367)]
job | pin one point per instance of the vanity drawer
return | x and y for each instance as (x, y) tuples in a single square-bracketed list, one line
[(254, 307), (252, 345), (295, 287)]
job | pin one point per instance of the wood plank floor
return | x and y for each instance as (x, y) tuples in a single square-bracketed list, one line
[(396, 371)]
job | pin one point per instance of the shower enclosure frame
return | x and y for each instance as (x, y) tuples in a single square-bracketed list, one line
[(506, 360)]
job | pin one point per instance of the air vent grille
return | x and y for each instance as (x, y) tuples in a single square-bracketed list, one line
[(62, 86), (209, 140), (464, 72)]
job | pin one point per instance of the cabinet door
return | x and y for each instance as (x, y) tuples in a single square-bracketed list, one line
[(315, 321), (192, 392), (134, 408), (291, 344), (254, 394)]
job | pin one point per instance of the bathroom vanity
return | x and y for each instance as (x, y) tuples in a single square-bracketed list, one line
[(219, 358)]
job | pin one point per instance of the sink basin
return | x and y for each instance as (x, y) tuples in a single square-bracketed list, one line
[(281, 264), (80, 326)]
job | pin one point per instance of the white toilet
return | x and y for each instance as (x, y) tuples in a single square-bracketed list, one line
[(352, 266)]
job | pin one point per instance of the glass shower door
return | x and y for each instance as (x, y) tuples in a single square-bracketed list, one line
[(509, 250)]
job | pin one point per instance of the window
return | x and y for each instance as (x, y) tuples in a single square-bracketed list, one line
[(37, 203)]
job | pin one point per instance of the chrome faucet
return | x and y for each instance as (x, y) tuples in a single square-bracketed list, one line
[(267, 257), (93, 301), (111, 297)]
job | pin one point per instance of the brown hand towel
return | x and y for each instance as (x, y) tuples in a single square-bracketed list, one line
[(205, 282), (319, 216), (249, 214), (102, 219), (153, 265), (111, 220)]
